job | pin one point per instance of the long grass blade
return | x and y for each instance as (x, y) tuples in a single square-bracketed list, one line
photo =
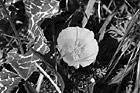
[(41, 69), (119, 77), (107, 9), (110, 3), (39, 82), (137, 82), (128, 29), (88, 12), (50, 66), (103, 28), (99, 10), (115, 63)]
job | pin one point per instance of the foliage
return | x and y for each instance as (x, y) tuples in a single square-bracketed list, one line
[(28, 33), (8, 80), (23, 64)]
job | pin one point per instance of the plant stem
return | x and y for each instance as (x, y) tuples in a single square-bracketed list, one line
[(13, 27), (39, 82), (43, 72), (54, 45)]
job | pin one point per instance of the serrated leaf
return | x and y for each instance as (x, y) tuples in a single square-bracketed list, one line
[(116, 30)]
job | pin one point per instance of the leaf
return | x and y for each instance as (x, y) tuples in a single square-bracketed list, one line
[(45, 60), (51, 68), (124, 39), (113, 62), (40, 10), (88, 11), (8, 81), (61, 81), (116, 33), (103, 28), (116, 30), (29, 88), (22, 63), (121, 74)]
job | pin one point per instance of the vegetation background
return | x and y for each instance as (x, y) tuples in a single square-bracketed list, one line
[(115, 23)]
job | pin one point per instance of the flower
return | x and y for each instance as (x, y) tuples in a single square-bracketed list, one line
[(77, 46)]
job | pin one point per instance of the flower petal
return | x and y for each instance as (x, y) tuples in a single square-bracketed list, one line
[(77, 46)]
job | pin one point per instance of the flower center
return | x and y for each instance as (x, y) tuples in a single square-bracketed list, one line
[(76, 54), (77, 51)]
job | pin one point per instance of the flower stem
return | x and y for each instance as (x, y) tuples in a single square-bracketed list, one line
[(54, 45), (13, 27)]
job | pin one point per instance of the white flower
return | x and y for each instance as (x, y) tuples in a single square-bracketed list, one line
[(77, 46)]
